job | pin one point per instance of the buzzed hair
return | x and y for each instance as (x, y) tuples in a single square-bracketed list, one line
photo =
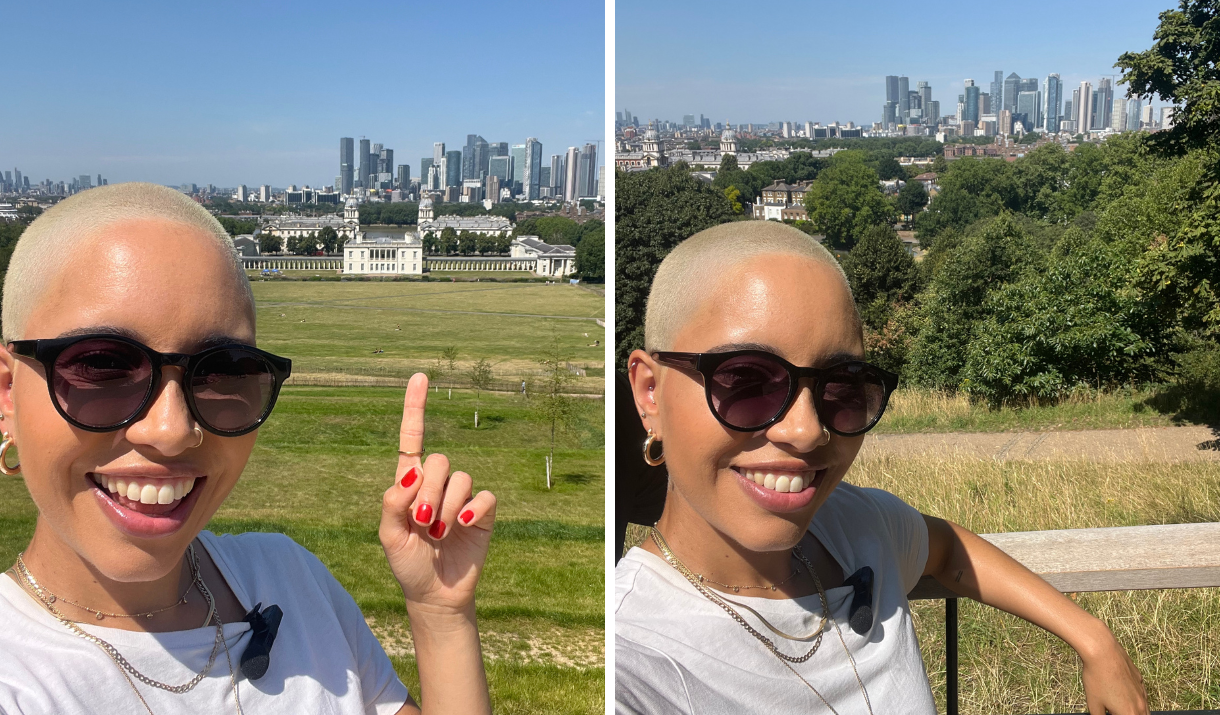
[(53, 235), (690, 271)]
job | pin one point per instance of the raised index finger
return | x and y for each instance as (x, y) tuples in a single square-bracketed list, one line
[(411, 432)]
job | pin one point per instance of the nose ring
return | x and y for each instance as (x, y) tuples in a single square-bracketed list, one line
[(200, 437), (827, 433)]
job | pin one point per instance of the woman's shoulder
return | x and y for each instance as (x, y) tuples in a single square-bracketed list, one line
[(254, 562)]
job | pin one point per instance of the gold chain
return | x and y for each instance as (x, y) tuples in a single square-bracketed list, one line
[(737, 589), (52, 598), (785, 659), (28, 583)]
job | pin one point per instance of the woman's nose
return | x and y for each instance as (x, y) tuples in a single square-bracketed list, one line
[(167, 424), (799, 426)]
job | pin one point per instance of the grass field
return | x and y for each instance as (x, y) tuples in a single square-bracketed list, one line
[(326, 454), (915, 410)]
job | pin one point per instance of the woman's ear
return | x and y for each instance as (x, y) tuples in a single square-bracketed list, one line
[(642, 373), (7, 368)]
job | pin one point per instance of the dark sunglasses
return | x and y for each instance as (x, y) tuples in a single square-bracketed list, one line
[(750, 390), (103, 382)]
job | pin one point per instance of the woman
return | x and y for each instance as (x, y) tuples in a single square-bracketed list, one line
[(130, 383), (755, 396)]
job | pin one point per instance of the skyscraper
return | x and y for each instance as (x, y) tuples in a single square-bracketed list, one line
[(997, 92), (572, 164), (925, 97), (588, 167), (904, 98), (889, 112), (453, 168), (517, 152), (1027, 110), (385, 163), (365, 169), (557, 174), (971, 108), (1083, 106), (1012, 85), (497, 149), (1103, 104), (1133, 114), (404, 176), (532, 178), (347, 168), (1052, 92), (438, 152), (891, 88), (425, 166)]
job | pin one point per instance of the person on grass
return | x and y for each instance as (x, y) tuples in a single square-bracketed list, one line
[(768, 584), (131, 386)]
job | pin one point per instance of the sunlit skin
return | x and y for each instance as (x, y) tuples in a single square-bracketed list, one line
[(172, 287), (801, 310)]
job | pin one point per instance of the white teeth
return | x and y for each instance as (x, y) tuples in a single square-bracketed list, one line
[(119, 486), (796, 485), (148, 495), (769, 481), (179, 490), (190, 484), (165, 495), (133, 491), (781, 484)]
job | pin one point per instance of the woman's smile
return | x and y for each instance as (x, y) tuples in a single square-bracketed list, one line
[(144, 505), (780, 490)]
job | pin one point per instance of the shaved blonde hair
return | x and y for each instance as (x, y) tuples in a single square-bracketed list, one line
[(692, 270), (54, 234)]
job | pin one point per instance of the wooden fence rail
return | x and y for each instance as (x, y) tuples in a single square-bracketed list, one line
[(1127, 558)]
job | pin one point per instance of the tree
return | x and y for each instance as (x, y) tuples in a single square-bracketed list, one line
[(448, 242), (552, 403), (480, 379), (328, 238), (591, 257), (303, 245), (485, 244), (466, 243), (430, 243), (450, 355), (655, 210), (940, 164), (912, 197), (881, 273), (269, 243), (846, 199), (734, 196), (235, 227), (889, 168)]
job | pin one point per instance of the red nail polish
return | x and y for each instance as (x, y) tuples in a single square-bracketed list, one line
[(409, 478), (467, 516), (437, 530), (423, 513)]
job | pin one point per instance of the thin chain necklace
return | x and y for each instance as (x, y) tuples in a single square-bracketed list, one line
[(738, 589), (52, 598), (47, 599), (785, 659)]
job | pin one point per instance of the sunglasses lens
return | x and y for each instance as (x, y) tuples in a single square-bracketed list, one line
[(100, 382), (853, 396), (748, 390), (232, 389)]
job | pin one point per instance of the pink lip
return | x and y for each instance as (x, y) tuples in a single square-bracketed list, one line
[(149, 526), (779, 502)]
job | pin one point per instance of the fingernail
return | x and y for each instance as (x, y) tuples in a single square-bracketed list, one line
[(466, 516), (423, 513), (409, 478), (437, 530)]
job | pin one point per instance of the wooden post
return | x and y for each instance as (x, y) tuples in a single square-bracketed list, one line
[(951, 656)]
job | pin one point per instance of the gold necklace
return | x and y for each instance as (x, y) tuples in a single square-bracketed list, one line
[(784, 659), (737, 589), (28, 583), (52, 598)]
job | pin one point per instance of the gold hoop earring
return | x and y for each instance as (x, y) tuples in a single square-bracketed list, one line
[(4, 468), (200, 442), (648, 458), (827, 433)]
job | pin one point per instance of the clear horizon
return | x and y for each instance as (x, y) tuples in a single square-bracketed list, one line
[(832, 65), (252, 93)]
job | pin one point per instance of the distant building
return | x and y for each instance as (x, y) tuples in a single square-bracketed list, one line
[(487, 225), (532, 174), (384, 250), (558, 260), (1052, 92), (245, 245), (783, 202), (347, 169)]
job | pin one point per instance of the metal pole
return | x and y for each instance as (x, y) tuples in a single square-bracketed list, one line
[(951, 656)]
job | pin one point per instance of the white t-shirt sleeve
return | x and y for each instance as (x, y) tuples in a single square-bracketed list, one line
[(908, 534), (384, 693)]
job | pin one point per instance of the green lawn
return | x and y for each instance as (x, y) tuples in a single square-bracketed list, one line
[(326, 455)]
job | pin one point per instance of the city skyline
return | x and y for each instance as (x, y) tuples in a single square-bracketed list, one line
[(834, 79), (177, 94)]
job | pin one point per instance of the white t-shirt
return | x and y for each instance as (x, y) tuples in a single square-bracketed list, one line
[(677, 652), (324, 659)]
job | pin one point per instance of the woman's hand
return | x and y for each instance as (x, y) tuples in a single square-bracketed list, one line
[(435, 535), (1112, 684)]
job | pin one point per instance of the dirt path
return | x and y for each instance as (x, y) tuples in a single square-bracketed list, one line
[(1157, 444)]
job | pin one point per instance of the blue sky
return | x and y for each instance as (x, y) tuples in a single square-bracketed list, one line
[(259, 92), (827, 61)]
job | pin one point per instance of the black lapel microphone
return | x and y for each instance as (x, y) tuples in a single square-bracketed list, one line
[(263, 628), (861, 614)]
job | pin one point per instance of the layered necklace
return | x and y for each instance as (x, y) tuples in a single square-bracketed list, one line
[(49, 599), (697, 581)]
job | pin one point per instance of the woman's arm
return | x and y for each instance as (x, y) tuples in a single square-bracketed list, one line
[(971, 566), (435, 534)]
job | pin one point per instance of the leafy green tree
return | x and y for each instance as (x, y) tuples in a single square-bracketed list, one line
[(480, 380), (269, 243), (655, 210), (467, 243), (912, 197), (940, 164), (734, 197), (237, 227), (448, 242), (591, 257), (889, 168), (430, 243), (881, 274), (503, 244), (328, 238), (485, 244), (846, 199)]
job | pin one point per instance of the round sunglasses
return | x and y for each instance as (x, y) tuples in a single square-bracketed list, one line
[(103, 382), (750, 390)]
